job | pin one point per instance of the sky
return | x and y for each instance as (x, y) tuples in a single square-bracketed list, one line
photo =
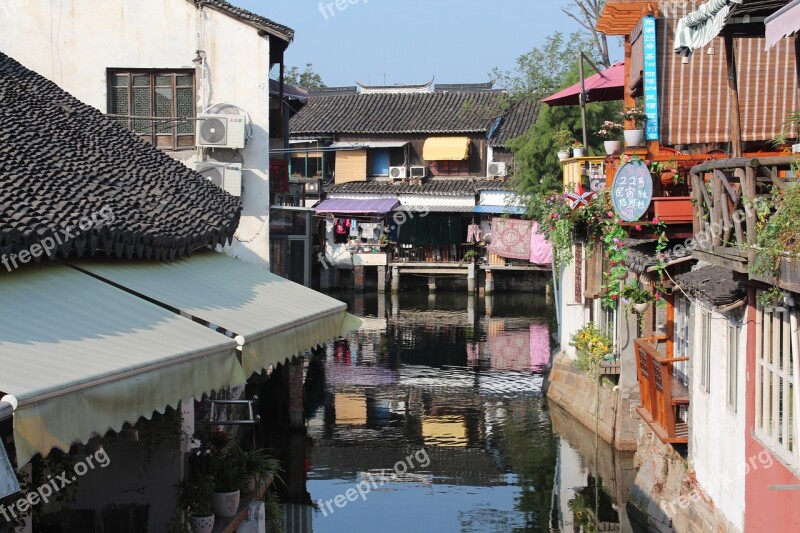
[(411, 41)]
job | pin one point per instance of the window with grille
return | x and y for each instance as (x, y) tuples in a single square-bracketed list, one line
[(774, 383), (159, 105), (450, 168), (705, 353), (680, 369), (733, 365)]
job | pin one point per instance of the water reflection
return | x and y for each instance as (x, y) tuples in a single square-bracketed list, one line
[(454, 377)]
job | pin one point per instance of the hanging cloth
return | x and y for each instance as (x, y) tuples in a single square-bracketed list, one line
[(354, 228), (473, 233)]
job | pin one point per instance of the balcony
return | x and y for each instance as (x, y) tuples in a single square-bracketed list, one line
[(665, 400), (723, 192)]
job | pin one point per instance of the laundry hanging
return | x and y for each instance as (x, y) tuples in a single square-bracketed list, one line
[(473, 233)]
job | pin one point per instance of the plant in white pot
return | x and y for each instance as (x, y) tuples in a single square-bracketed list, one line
[(257, 466), (563, 142), (228, 478), (634, 137), (609, 132), (578, 150), (639, 299), (195, 502)]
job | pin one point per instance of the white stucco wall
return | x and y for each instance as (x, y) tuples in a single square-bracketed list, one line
[(717, 443), (74, 42), (574, 315)]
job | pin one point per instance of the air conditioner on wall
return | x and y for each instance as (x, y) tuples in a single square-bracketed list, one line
[(226, 176), (496, 169), (397, 173), (221, 131), (419, 172)]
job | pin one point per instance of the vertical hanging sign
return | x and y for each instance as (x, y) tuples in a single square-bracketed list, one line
[(650, 72)]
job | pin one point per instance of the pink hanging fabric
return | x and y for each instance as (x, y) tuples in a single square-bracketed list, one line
[(541, 249)]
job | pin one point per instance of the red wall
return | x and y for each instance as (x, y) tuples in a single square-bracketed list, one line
[(767, 511)]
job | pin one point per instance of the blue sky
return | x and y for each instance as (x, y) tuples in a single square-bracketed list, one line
[(409, 41)]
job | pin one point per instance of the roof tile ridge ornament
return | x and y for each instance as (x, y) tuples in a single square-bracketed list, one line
[(396, 89)]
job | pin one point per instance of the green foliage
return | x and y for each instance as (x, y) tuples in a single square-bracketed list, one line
[(777, 231), (617, 255), (194, 496), (257, 463), (307, 79), (636, 294), (563, 139), (591, 346)]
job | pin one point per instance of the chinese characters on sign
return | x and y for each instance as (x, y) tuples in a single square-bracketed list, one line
[(650, 78), (632, 191)]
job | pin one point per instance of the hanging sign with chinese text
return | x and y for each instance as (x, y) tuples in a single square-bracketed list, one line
[(650, 75), (632, 191)]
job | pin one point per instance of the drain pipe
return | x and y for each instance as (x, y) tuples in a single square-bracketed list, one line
[(8, 405), (788, 300)]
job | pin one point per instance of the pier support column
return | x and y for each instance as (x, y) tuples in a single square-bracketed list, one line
[(431, 284), (489, 282), (471, 278), (395, 279), (326, 277), (295, 378), (358, 277), (381, 278)]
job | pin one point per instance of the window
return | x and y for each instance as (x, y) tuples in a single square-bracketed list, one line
[(680, 335), (450, 168), (306, 165), (158, 105), (705, 354), (733, 365), (774, 385), (608, 322)]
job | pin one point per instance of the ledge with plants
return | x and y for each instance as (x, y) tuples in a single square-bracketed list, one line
[(592, 348)]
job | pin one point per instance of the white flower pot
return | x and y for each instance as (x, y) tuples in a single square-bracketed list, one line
[(633, 138), (202, 524), (578, 152), (226, 503), (796, 148), (641, 307), (563, 154), (612, 147)]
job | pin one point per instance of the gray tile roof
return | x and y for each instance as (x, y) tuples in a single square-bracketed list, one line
[(712, 284), (248, 17), (432, 187), (61, 160), (452, 112), (516, 122)]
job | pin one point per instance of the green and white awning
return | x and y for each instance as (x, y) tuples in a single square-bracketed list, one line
[(277, 318), (701, 26), (83, 357)]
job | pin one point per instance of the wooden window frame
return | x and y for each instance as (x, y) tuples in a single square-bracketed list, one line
[(166, 141), (444, 168), (681, 329)]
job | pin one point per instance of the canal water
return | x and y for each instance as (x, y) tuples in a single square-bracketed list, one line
[(432, 418)]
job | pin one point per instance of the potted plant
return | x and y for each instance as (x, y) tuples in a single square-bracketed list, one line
[(634, 137), (563, 141), (609, 132), (257, 467), (470, 255), (228, 478), (639, 299), (195, 500), (578, 150), (591, 347)]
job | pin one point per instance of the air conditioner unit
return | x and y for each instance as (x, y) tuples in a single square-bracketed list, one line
[(496, 169), (419, 172), (221, 131), (397, 173), (226, 176)]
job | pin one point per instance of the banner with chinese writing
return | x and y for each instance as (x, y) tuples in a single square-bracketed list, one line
[(650, 75)]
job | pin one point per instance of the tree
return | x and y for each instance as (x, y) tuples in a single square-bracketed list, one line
[(587, 13), (308, 79)]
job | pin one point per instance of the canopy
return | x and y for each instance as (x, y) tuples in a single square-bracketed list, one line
[(445, 149), (499, 209), (346, 206), (276, 317), (701, 26), (782, 23), (602, 87), (83, 357)]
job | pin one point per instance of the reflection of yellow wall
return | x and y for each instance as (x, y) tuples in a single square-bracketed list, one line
[(496, 326), (444, 430), (351, 409)]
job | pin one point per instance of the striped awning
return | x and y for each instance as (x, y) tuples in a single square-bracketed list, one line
[(782, 23), (348, 206), (701, 26), (277, 318), (83, 357)]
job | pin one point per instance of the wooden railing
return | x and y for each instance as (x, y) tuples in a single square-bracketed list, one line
[(663, 396)]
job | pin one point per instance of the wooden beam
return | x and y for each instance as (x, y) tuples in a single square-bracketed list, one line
[(733, 90), (749, 192)]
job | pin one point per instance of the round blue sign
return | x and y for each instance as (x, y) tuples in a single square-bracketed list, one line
[(632, 191)]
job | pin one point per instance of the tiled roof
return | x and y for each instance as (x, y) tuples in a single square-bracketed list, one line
[(444, 112), (516, 122), (712, 284), (61, 160), (248, 17), (432, 187)]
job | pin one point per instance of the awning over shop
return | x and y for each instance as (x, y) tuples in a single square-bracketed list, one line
[(499, 209), (445, 149), (83, 357), (701, 26), (342, 145), (782, 23), (434, 208), (346, 206), (276, 317)]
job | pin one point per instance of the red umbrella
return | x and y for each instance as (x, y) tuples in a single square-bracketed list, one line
[(604, 86)]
